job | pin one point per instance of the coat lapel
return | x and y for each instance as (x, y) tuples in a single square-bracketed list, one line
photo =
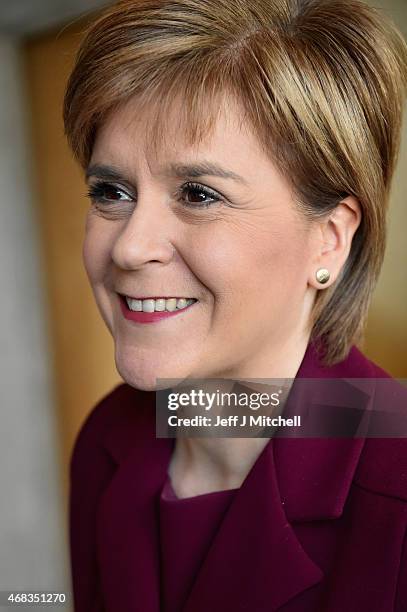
[(127, 524), (256, 561)]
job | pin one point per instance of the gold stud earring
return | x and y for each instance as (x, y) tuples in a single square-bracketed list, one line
[(323, 276)]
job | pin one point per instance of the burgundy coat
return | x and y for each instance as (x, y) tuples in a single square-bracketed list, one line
[(327, 534)]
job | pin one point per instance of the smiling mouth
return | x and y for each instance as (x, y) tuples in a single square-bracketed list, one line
[(157, 304)]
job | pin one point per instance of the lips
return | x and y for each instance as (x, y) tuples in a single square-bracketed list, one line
[(160, 304), (150, 310)]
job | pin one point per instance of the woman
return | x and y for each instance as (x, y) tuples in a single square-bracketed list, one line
[(239, 157)]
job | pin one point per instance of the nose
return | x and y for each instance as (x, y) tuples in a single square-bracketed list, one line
[(145, 238)]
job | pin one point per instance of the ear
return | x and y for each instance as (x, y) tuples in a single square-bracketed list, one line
[(335, 235)]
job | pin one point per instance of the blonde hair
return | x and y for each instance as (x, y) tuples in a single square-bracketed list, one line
[(321, 82)]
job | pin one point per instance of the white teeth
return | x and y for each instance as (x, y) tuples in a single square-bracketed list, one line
[(171, 304), (136, 305), (159, 305), (148, 305)]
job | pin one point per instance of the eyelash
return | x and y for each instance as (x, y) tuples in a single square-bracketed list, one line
[(97, 194)]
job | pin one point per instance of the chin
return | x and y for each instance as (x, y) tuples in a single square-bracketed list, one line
[(142, 372)]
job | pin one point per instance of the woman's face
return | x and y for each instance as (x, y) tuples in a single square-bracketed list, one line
[(213, 222)]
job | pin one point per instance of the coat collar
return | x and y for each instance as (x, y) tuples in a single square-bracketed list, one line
[(303, 465), (315, 473), (309, 481)]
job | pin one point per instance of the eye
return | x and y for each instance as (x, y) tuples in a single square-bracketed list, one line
[(102, 193), (194, 194)]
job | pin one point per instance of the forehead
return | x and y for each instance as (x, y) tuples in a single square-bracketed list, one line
[(159, 132)]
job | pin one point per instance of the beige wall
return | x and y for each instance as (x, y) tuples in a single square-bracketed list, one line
[(82, 347), (32, 530), (386, 335)]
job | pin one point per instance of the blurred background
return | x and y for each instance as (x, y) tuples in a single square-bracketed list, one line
[(56, 356)]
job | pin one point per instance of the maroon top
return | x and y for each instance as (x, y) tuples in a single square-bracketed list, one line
[(320, 528), (188, 527)]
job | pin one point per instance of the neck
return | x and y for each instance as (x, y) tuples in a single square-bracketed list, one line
[(207, 464)]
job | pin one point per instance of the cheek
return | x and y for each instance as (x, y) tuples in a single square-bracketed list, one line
[(287, 253), (96, 251), (264, 257)]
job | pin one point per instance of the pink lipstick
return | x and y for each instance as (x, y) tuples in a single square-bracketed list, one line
[(148, 317)]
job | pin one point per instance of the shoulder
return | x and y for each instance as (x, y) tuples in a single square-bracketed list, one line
[(354, 365), (116, 421), (108, 432), (382, 466), (357, 365)]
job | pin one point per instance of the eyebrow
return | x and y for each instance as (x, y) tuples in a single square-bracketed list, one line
[(104, 171), (204, 168)]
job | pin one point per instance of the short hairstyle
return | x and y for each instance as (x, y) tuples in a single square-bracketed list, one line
[(322, 83)]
